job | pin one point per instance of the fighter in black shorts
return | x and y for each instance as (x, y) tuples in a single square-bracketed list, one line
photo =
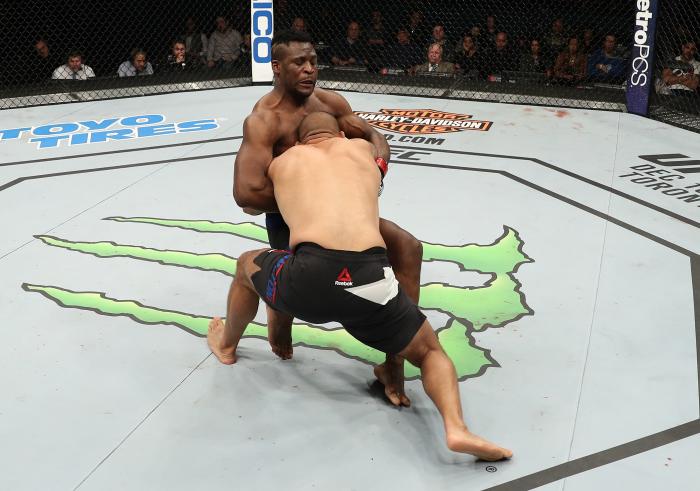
[(268, 131), (356, 289), (339, 269)]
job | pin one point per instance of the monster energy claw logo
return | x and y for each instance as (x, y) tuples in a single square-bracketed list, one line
[(471, 309)]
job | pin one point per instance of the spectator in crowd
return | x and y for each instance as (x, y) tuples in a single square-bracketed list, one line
[(475, 31), (376, 40), (224, 45), (689, 51), (534, 62), (283, 16), (467, 58), (605, 65), (136, 65), (416, 27), (587, 43), (402, 54), (439, 37), (349, 51), (435, 64), (179, 59), (682, 74), (196, 42), (244, 60), (570, 66), (499, 58), (42, 64), (73, 69), (299, 24), (324, 28), (555, 42), (522, 45), (491, 31)]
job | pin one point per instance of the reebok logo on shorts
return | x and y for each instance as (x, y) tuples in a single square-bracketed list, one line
[(344, 278)]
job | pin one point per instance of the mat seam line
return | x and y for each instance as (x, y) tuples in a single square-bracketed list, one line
[(140, 423), (595, 301)]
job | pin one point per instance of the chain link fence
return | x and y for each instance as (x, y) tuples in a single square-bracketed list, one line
[(547, 52), (564, 53), (676, 97), (72, 50)]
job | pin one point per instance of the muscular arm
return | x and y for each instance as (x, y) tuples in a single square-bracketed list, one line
[(252, 189), (355, 127)]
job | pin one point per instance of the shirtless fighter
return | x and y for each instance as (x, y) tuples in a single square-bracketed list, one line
[(268, 131), (339, 270)]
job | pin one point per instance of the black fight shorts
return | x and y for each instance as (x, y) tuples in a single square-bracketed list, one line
[(277, 231), (356, 289)]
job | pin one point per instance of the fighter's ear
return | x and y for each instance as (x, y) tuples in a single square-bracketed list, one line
[(275, 67)]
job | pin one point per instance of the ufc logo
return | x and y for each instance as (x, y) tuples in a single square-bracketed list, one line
[(671, 160)]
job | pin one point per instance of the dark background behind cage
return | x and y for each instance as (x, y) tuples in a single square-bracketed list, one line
[(106, 32)]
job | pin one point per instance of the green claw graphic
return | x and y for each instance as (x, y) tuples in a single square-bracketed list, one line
[(504, 255), (246, 230), (469, 360), (494, 304), (470, 309), (206, 262)]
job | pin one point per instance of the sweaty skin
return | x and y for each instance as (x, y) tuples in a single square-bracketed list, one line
[(268, 131)]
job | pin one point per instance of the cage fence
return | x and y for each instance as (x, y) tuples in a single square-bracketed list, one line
[(544, 52)]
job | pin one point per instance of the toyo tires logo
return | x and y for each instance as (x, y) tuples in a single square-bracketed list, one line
[(469, 310), (422, 121)]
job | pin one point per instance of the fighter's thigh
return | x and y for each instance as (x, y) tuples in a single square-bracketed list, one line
[(246, 267), (423, 342), (401, 245)]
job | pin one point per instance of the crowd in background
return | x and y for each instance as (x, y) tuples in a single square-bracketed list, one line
[(411, 44), (224, 48)]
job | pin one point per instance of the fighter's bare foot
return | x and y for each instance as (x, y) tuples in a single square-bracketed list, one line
[(279, 335), (283, 349), (215, 339), (465, 442), (390, 374)]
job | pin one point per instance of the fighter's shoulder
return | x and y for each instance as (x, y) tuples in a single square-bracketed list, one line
[(261, 122), (361, 143), (335, 101)]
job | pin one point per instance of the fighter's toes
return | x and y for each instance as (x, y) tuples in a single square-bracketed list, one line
[(285, 352), (393, 391)]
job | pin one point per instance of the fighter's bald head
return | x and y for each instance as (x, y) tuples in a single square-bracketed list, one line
[(317, 123)]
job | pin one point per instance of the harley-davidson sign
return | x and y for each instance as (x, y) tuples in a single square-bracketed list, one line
[(423, 121)]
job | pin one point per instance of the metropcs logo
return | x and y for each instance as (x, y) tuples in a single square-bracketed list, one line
[(642, 50), (422, 121)]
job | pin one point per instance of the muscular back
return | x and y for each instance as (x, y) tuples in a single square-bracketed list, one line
[(327, 193)]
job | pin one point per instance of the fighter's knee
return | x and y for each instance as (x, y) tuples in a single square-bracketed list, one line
[(246, 261), (408, 258), (403, 246), (415, 248)]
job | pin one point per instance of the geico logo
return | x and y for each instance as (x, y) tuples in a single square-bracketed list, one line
[(262, 32), (640, 64)]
